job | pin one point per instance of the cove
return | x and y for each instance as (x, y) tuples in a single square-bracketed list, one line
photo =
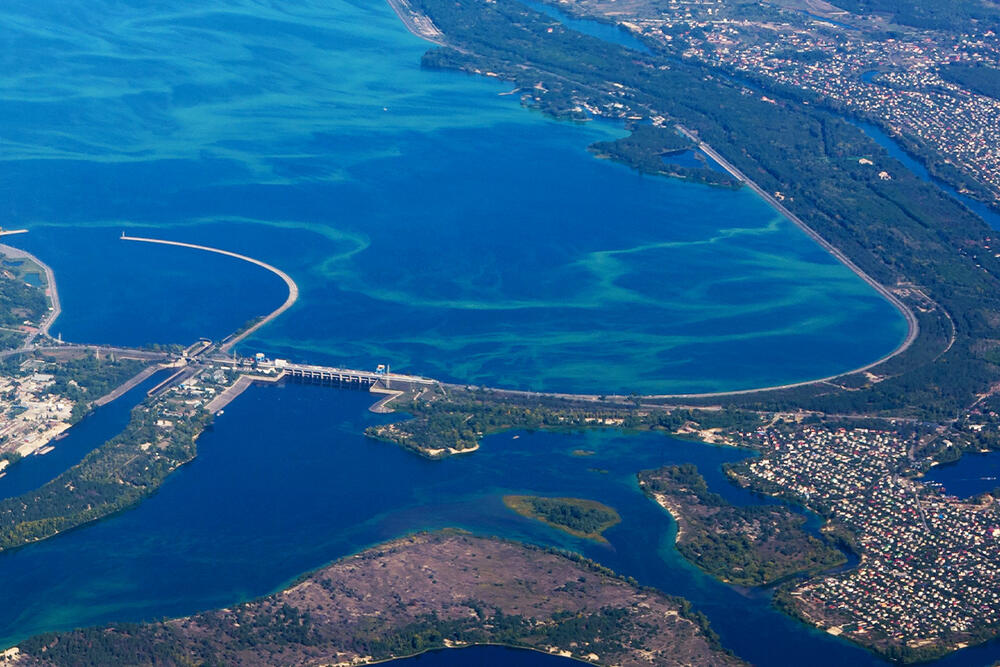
[(973, 474), (94, 430), (258, 507), (431, 222), (609, 32)]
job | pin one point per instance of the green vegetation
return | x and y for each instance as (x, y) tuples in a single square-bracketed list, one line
[(978, 78), (469, 591), (455, 423), (11, 458), (86, 379), (582, 518), (19, 303), (749, 546), (900, 231), (646, 148), (952, 15), (111, 478)]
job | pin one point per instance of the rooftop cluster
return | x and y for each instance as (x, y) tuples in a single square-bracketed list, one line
[(929, 574), (895, 81)]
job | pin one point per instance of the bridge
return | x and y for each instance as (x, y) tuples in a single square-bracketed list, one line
[(378, 382), (328, 375)]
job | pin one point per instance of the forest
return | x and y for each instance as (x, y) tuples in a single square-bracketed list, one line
[(978, 78), (116, 475), (583, 518), (952, 15), (753, 545)]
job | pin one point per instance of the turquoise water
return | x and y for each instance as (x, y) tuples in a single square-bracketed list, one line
[(432, 223)]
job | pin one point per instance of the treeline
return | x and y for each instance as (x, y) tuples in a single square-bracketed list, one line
[(901, 230), (262, 635), (948, 15), (19, 303), (647, 149), (979, 78), (111, 478), (751, 546), (460, 421)]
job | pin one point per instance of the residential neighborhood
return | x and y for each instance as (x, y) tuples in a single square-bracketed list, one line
[(929, 570)]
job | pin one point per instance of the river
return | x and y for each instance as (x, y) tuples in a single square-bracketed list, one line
[(431, 223)]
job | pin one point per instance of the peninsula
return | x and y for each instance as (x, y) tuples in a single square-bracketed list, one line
[(749, 546), (419, 593)]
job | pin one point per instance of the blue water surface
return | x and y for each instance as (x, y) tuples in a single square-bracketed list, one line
[(971, 475), (97, 428), (430, 222), (285, 482)]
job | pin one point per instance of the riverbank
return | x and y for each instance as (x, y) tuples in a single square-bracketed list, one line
[(422, 592), (135, 381)]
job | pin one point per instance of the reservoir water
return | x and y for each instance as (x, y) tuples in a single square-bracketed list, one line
[(971, 475), (430, 221)]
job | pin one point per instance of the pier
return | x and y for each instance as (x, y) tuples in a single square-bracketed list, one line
[(231, 341)]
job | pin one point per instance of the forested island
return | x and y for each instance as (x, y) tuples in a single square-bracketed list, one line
[(583, 518), (750, 546), (418, 593), (648, 149), (440, 424)]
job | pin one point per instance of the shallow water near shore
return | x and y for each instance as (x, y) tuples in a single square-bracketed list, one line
[(431, 223), (284, 483)]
